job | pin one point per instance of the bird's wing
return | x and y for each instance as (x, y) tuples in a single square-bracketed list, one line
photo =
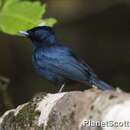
[(62, 62)]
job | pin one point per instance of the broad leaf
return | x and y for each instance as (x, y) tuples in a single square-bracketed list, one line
[(48, 22), (17, 15)]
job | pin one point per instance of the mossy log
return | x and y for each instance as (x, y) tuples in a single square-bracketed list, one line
[(71, 111)]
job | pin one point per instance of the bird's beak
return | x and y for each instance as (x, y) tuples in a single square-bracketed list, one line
[(23, 33)]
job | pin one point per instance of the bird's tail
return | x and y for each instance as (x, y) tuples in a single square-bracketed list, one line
[(101, 84)]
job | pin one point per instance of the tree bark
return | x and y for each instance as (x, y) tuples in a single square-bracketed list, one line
[(88, 110)]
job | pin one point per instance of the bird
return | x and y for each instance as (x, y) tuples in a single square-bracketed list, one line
[(57, 62)]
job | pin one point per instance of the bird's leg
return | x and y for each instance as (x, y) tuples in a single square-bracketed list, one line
[(61, 88), (94, 86)]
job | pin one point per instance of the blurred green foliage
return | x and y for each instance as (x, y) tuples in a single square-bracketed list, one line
[(17, 15)]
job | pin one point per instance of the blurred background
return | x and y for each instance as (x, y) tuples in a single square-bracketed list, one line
[(97, 30)]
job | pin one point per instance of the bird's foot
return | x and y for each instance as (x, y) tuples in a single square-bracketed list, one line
[(94, 86)]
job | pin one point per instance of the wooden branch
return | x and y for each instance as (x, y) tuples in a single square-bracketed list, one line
[(71, 111)]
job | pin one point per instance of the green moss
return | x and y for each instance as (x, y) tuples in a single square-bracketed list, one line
[(26, 116)]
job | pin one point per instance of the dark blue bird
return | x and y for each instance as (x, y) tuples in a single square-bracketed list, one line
[(57, 63)]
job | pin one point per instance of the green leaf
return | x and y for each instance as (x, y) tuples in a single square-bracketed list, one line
[(7, 3), (17, 15), (48, 22), (0, 3)]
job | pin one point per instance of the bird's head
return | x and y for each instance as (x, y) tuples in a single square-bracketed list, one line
[(40, 34)]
